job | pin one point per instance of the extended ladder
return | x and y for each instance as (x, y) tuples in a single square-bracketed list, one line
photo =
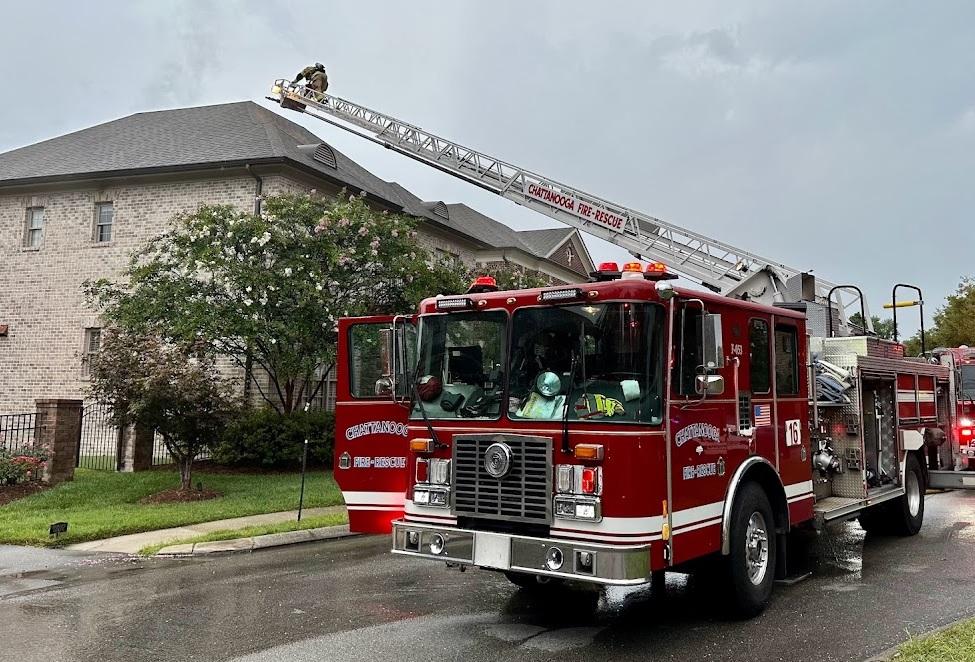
[(719, 266)]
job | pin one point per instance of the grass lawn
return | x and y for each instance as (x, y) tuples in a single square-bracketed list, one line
[(101, 504), (953, 644), (249, 531)]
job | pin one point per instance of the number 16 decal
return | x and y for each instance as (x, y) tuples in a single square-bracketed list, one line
[(793, 432)]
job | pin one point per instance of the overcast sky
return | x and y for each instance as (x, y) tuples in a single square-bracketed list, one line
[(832, 136)]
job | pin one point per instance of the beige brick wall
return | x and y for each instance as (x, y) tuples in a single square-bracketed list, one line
[(41, 298), (40, 289)]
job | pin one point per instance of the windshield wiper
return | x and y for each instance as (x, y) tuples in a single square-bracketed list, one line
[(576, 361), (423, 411)]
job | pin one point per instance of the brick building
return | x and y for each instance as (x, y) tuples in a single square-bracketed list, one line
[(74, 207)]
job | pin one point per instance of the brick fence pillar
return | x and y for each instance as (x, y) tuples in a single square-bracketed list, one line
[(57, 428), (137, 443)]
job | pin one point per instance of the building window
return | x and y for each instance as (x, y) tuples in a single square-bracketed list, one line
[(93, 342), (104, 219), (35, 227)]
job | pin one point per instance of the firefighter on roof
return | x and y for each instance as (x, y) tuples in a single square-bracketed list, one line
[(316, 77)]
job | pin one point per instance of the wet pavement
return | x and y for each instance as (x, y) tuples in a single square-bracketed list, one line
[(351, 600)]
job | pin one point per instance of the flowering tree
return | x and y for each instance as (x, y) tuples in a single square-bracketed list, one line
[(267, 290), (174, 389)]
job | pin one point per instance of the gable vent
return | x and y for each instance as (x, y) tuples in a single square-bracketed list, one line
[(440, 209), (324, 154)]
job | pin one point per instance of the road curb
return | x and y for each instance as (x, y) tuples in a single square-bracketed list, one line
[(256, 542)]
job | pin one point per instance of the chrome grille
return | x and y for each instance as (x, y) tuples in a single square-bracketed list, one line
[(524, 494)]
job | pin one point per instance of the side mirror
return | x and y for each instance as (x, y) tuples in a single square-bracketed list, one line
[(384, 386), (709, 384), (713, 353)]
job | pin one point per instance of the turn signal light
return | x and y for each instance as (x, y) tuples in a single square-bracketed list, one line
[(588, 451), (421, 445)]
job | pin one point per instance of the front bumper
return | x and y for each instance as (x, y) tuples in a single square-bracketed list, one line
[(610, 564)]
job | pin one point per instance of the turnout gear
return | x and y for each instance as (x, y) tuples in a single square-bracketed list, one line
[(315, 75)]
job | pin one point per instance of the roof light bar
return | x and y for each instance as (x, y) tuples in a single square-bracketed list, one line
[(562, 295), (455, 303)]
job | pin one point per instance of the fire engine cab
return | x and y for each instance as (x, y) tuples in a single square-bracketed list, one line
[(606, 431)]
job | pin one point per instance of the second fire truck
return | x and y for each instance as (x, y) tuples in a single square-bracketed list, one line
[(611, 430)]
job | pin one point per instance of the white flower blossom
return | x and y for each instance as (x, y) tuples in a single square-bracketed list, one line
[(287, 271), (319, 287), (247, 302)]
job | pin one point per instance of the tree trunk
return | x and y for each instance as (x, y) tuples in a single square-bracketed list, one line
[(186, 473)]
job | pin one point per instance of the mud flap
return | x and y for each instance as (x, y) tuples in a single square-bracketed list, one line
[(370, 428)]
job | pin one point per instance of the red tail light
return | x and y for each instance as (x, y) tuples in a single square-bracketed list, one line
[(422, 470), (588, 482)]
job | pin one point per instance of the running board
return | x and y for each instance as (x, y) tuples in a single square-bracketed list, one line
[(952, 480), (832, 509)]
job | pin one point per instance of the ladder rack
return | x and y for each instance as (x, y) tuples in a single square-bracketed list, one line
[(717, 265)]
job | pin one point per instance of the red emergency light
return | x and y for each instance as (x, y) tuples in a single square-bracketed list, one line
[(658, 271), (483, 284)]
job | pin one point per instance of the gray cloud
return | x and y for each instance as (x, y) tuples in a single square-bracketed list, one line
[(833, 136)]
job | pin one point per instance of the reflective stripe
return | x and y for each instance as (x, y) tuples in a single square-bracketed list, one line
[(798, 488), (376, 498), (698, 514)]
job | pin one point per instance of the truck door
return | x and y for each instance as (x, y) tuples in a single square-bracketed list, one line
[(370, 419)]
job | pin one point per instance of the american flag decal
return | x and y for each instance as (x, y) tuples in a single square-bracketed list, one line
[(763, 415)]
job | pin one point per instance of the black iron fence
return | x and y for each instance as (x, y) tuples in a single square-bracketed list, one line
[(161, 456), (99, 441), (17, 432)]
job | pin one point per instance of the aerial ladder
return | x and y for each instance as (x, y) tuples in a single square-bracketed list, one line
[(716, 265)]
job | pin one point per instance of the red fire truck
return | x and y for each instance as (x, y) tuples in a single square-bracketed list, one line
[(961, 362), (611, 430)]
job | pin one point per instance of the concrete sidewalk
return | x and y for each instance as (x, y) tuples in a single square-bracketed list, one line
[(257, 542), (132, 543)]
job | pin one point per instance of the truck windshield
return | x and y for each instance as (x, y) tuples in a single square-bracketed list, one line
[(602, 360), (968, 382), (461, 363)]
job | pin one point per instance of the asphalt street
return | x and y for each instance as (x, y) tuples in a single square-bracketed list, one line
[(352, 600)]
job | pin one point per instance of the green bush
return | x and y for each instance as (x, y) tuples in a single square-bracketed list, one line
[(264, 438)]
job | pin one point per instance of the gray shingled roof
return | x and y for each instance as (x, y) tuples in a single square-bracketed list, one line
[(543, 242), (227, 133), (237, 133)]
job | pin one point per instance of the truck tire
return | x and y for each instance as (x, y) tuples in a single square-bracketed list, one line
[(876, 519), (751, 563), (906, 514)]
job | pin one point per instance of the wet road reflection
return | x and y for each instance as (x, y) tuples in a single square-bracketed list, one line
[(351, 600)]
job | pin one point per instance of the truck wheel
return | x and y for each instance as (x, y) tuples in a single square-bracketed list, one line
[(533, 582), (876, 519), (751, 564), (907, 512)]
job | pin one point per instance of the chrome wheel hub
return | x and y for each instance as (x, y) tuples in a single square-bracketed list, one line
[(913, 494), (756, 548)]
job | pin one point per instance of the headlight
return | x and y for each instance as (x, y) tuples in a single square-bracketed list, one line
[(440, 472), (966, 422)]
